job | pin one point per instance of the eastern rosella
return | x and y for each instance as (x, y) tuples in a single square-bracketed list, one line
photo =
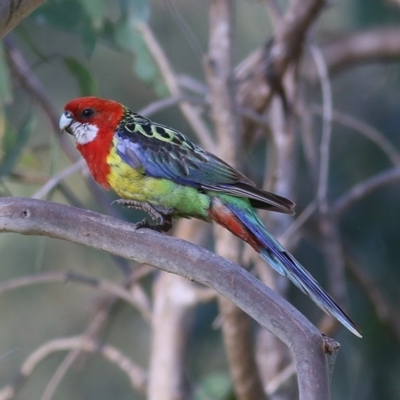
[(159, 170)]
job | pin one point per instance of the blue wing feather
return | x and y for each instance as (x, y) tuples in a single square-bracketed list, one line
[(166, 153)]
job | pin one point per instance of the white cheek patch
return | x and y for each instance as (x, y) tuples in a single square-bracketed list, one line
[(84, 133)]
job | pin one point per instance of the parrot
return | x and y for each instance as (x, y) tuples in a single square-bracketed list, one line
[(157, 169)]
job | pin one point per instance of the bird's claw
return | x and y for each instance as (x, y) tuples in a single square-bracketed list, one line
[(161, 215), (165, 226), (142, 224)]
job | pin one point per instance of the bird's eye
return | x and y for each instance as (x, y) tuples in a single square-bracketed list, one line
[(87, 112)]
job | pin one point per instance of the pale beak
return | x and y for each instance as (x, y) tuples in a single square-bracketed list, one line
[(65, 122)]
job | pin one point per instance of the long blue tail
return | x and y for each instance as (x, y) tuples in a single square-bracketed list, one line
[(284, 263)]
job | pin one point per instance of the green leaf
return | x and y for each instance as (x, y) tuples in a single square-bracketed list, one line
[(123, 35), (75, 16), (5, 79), (67, 15), (89, 40), (213, 387), (30, 41), (96, 11), (87, 84), (108, 32), (129, 38), (144, 66), (14, 144)]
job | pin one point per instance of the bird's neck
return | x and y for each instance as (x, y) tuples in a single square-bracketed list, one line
[(95, 153)]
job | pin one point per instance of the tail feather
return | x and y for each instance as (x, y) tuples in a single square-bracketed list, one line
[(285, 264)]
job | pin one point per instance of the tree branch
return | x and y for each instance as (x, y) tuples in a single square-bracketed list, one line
[(374, 45), (257, 74), (363, 189), (364, 129), (236, 325), (36, 217), (382, 308), (134, 372), (170, 78), (13, 12), (174, 300), (113, 289)]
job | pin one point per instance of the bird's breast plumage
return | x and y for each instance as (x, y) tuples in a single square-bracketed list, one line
[(135, 184), (127, 181), (95, 153)]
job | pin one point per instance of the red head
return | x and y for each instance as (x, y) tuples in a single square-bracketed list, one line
[(92, 122)]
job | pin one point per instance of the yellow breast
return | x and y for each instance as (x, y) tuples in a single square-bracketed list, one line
[(133, 184), (125, 180)]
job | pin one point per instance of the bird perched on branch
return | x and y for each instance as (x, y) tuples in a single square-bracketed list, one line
[(159, 170)]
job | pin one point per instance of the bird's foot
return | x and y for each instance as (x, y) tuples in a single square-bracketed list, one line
[(165, 226), (161, 215)]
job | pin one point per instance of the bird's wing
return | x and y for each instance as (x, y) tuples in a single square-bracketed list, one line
[(163, 152)]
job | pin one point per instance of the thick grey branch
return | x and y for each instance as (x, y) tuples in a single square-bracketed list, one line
[(12, 12), (36, 217)]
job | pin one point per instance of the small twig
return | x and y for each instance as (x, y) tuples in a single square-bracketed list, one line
[(88, 335), (171, 81), (29, 178), (69, 276), (363, 189), (7, 355), (56, 179), (280, 379), (92, 332), (372, 45), (188, 82), (275, 13), (330, 237), (326, 127), (134, 372), (299, 222), (383, 310), (365, 129), (255, 117), (190, 36), (169, 102), (158, 105), (22, 71)]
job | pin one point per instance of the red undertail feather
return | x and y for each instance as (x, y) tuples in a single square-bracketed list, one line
[(221, 214)]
